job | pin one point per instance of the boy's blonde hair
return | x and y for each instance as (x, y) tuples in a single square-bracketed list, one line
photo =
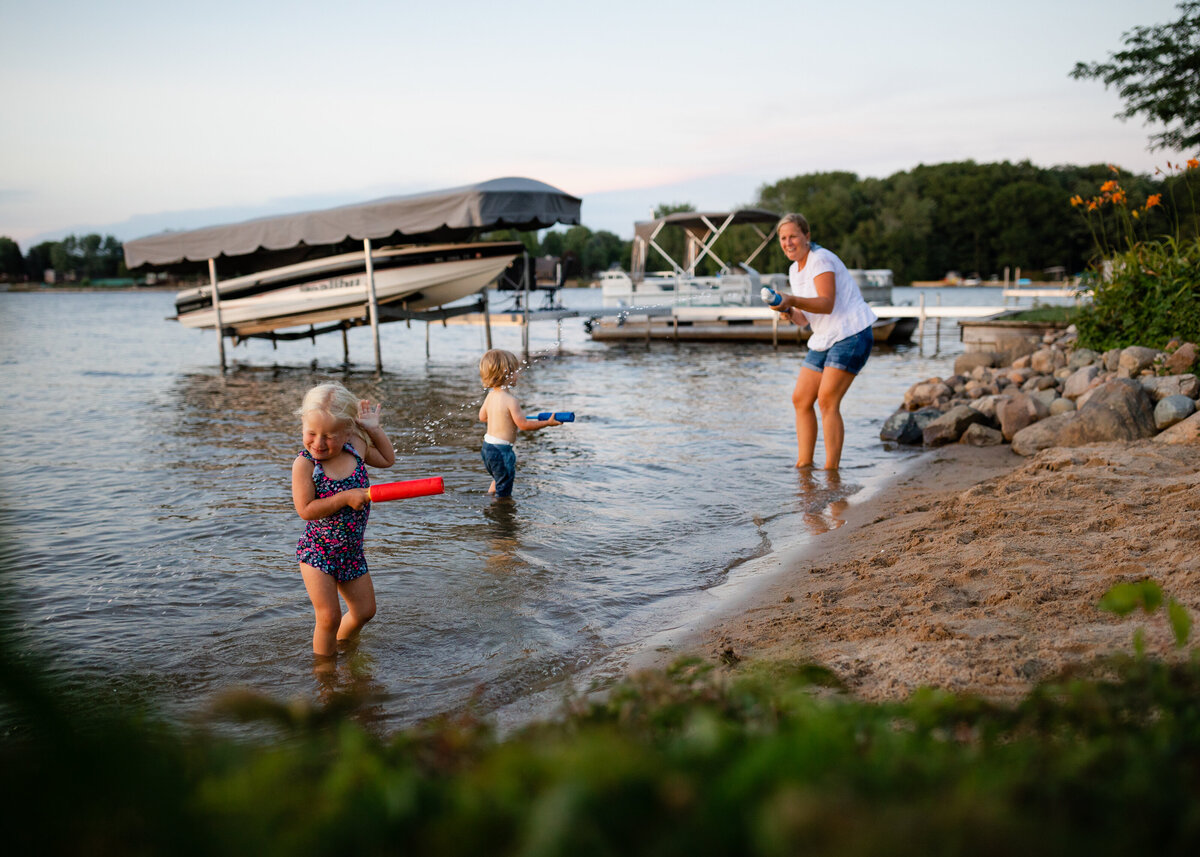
[(334, 399), (497, 368)]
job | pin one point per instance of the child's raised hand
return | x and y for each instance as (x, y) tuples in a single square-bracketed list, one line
[(368, 417)]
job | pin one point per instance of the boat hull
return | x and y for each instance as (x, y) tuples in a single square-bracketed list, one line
[(335, 289)]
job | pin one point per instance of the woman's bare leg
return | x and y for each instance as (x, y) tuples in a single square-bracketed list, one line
[(360, 605), (833, 387), (804, 399)]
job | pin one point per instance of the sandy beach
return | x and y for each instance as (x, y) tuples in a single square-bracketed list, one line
[(978, 571)]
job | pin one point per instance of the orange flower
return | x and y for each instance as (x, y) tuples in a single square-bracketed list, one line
[(1136, 214), (1092, 205), (1193, 163), (1153, 200), (1109, 186), (1076, 200), (1114, 169), (1118, 198)]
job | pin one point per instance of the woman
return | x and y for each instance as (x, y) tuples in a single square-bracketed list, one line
[(825, 296)]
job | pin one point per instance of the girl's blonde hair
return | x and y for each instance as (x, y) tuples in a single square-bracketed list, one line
[(334, 399), (497, 368)]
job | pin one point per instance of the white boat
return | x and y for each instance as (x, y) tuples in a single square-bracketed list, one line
[(335, 288), (732, 285)]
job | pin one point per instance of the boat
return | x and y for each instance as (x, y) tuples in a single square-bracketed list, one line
[(300, 269), (731, 285), (334, 288)]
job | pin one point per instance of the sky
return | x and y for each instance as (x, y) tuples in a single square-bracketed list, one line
[(131, 117)]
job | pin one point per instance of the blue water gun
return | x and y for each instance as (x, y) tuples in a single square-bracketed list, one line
[(771, 297), (561, 416)]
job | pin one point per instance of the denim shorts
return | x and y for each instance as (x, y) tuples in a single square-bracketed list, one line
[(849, 354), (501, 463)]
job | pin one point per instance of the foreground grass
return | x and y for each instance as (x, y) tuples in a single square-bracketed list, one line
[(766, 760)]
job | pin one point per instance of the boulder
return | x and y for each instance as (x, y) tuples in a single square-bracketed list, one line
[(1172, 410), (1182, 359), (986, 405), (1045, 360), (1112, 360), (1046, 396), (966, 363), (1038, 382), (1187, 431), (1080, 381), (977, 434), (949, 427), (1061, 406), (1081, 357), (1015, 411), (1117, 410), (927, 393), (1134, 359), (1171, 385), (901, 427), (1041, 435)]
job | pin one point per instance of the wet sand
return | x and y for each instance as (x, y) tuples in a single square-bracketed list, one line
[(976, 571)]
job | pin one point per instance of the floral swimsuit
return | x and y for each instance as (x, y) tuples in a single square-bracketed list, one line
[(335, 544)]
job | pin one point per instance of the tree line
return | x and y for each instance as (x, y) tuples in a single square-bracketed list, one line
[(976, 219)]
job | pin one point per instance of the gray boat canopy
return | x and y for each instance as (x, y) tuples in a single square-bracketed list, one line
[(703, 228), (455, 214)]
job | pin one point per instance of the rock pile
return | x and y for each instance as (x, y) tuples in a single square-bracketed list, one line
[(1055, 395)]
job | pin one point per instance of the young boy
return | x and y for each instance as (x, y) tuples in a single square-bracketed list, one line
[(501, 411)]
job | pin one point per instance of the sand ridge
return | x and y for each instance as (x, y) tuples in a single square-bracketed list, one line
[(980, 571)]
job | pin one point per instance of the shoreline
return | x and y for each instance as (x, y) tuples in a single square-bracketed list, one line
[(973, 571)]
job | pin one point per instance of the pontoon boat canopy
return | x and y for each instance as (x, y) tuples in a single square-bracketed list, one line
[(455, 214), (703, 228)]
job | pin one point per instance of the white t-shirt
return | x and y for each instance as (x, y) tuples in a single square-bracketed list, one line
[(850, 312)]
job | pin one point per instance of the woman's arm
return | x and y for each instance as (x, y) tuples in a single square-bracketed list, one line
[(822, 304)]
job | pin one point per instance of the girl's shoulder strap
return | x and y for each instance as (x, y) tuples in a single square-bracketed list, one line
[(349, 447), (304, 453)]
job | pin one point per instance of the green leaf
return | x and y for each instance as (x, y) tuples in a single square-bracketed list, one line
[(1123, 598), (1181, 622)]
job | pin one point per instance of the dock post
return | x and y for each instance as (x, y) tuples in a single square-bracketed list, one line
[(525, 309), (649, 319), (775, 332), (373, 305), (216, 302), (675, 326), (921, 326), (558, 332), (937, 330), (426, 340), (345, 347), (487, 318)]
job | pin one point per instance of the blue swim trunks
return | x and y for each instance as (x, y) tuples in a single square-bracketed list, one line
[(849, 354), (501, 462)]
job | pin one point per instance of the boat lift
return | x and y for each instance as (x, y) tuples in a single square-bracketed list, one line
[(454, 214), (703, 229)]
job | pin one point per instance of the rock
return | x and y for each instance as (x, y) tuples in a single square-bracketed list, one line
[(925, 416), (1080, 381), (1134, 359), (986, 405), (1081, 357), (977, 434), (1112, 360), (1117, 410), (1187, 431), (1015, 411), (901, 427), (1182, 360), (1041, 435), (1046, 396), (1061, 406), (1172, 410), (949, 427), (964, 364), (1045, 360), (1014, 349), (1038, 382), (1171, 385), (927, 393)]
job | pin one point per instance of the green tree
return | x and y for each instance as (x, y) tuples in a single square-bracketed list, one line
[(1158, 76), (12, 263)]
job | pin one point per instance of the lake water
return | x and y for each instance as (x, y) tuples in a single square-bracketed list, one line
[(149, 533)]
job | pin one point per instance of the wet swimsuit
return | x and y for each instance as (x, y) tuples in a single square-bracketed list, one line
[(335, 544)]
